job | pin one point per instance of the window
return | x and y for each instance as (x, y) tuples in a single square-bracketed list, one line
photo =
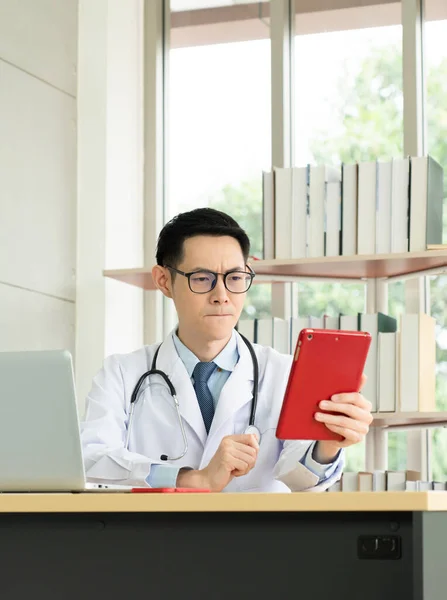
[(436, 111), (348, 108), (349, 104), (219, 132)]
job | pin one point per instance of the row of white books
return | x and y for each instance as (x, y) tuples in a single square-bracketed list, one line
[(363, 208), (385, 481), (401, 364)]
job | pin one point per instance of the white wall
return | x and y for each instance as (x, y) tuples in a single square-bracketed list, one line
[(38, 40)]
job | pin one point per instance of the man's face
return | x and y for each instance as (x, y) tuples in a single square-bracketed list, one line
[(213, 315)]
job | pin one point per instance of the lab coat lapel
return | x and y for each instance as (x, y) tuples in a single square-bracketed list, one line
[(237, 391), (169, 361)]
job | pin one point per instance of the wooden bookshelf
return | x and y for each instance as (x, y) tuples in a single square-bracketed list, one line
[(390, 420), (337, 267)]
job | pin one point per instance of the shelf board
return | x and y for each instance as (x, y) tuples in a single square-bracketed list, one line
[(391, 420), (141, 278), (355, 267), (337, 267)]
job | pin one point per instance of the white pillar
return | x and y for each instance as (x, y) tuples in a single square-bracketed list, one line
[(124, 191), (413, 77), (156, 27), (110, 223), (282, 37), (415, 145), (92, 165)]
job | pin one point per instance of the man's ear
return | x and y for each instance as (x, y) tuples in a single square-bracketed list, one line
[(162, 280)]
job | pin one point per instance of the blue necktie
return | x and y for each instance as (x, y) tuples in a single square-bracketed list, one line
[(202, 372)]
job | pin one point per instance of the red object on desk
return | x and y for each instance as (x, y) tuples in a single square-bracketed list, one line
[(169, 490)]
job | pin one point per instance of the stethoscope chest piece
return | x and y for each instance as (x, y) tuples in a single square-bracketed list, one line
[(253, 430)]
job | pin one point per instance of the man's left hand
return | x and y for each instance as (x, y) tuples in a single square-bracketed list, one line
[(352, 420)]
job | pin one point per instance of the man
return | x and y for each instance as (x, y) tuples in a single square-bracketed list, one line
[(202, 266)]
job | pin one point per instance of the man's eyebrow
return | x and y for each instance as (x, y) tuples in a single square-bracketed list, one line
[(238, 268)]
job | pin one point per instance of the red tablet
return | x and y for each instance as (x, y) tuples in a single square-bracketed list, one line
[(326, 362)]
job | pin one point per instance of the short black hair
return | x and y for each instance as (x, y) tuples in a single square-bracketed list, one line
[(201, 221)]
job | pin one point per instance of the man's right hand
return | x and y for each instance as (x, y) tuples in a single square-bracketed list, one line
[(236, 456)]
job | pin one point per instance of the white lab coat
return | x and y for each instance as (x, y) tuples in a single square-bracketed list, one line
[(156, 429)]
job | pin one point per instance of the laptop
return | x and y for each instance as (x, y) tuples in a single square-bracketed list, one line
[(40, 445)]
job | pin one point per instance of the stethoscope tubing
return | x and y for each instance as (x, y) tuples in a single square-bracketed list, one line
[(154, 371)]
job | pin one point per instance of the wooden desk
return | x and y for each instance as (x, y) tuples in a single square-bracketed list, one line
[(350, 546), (104, 502)]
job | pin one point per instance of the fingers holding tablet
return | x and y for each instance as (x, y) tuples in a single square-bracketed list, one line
[(352, 417)]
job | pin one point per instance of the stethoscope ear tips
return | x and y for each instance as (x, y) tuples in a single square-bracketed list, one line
[(164, 457)]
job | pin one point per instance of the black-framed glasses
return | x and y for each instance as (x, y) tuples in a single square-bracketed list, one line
[(202, 282)]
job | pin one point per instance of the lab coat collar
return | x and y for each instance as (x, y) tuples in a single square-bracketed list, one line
[(228, 357), (244, 357), (237, 391)]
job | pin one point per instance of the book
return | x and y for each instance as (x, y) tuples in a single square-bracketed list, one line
[(366, 208), (246, 327), (335, 487), (332, 219), (387, 372), (349, 191), (281, 335), (424, 486), (331, 322), (395, 481), (283, 212), (411, 475), (374, 324), (417, 359), (264, 332), (298, 323), (379, 481), (268, 215), (383, 214), (426, 202), (400, 201), (300, 192), (316, 322), (349, 322), (319, 176), (350, 482), (365, 482), (385, 481)]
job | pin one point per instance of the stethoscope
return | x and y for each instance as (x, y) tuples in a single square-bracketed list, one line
[(251, 429)]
